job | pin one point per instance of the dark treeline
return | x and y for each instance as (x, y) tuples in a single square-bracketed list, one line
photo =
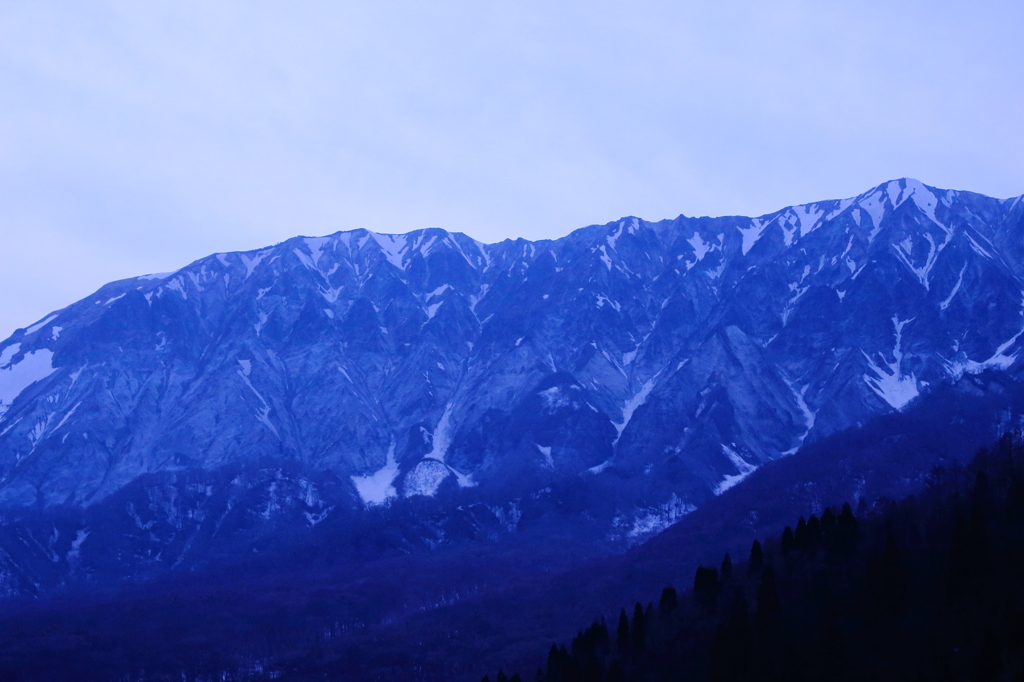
[(929, 588)]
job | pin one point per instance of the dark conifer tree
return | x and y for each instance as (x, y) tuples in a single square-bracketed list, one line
[(726, 570), (788, 542), (668, 601), (801, 538), (501, 676), (846, 530), (638, 629), (756, 560), (846, 518), (615, 673), (828, 520), (813, 530), (577, 646), (601, 639), (554, 663), (622, 632), (592, 640)]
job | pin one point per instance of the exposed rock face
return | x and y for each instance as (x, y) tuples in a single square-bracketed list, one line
[(672, 358)]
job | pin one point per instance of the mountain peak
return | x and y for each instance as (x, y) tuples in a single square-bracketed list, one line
[(366, 352)]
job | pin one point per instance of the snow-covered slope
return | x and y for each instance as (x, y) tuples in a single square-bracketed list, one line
[(673, 357)]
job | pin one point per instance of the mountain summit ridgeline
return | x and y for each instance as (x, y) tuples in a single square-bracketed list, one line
[(652, 365)]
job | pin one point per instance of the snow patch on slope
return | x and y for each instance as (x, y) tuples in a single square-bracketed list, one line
[(613, 239), (379, 487), (545, 450), (67, 416), (752, 233), (807, 218), (743, 468), (956, 288), (556, 398), (428, 475), (904, 251), (631, 406), (39, 325), (250, 263), (923, 197), (441, 440), (432, 309), (316, 246), (262, 415), (700, 248), (602, 299), (651, 521), (16, 377), (393, 246), (8, 353), (1000, 360), (426, 478), (889, 382), (874, 206), (809, 415)]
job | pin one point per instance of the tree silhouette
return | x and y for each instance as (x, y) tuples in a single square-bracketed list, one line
[(669, 600), (726, 570), (756, 560), (801, 536), (788, 541), (638, 629), (622, 633), (864, 597)]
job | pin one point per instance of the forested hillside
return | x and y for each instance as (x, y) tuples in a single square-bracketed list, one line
[(927, 588)]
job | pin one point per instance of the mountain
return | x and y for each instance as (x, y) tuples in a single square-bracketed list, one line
[(604, 384), (464, 609)]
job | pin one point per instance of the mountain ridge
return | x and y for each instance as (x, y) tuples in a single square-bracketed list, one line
[(657, 363)]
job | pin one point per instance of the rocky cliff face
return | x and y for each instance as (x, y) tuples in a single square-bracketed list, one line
[(664, 361)]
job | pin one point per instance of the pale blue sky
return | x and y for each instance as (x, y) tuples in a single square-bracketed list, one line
[(138, 136)]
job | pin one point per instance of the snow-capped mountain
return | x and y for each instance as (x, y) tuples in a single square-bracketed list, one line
[(666, 360)]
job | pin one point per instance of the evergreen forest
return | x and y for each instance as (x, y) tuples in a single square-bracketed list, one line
[(927, 588)]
